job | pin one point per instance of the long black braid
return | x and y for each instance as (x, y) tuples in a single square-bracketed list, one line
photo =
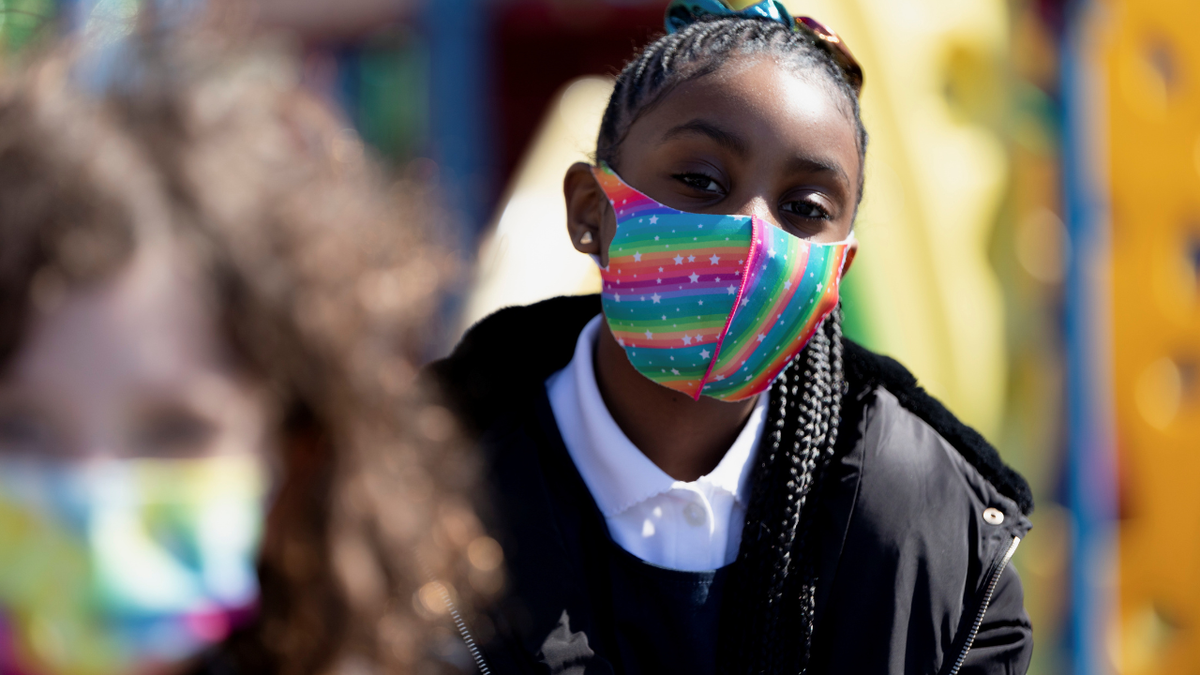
[(774, 590), (771, 600)]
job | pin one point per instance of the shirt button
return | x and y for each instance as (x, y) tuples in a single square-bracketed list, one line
[(694, 514), (993, 516)]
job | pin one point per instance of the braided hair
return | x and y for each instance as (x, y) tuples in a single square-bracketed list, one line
[(774, 589), (771, 598)]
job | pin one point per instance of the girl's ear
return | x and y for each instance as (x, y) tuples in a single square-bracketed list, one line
[(587, 206)]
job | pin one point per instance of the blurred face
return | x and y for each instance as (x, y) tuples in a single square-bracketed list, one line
[(134, 367), (132, 479)]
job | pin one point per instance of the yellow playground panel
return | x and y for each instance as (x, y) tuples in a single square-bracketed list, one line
[(1148, 59), (935, 181)]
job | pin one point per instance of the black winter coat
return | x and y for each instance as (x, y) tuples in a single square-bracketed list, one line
[(913, 577)]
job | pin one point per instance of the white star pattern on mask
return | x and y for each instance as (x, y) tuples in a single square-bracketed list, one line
[(761, 337), (656, 297), (637, 257), (678, 259), (691, 258), (714, 259), (704, 354), (649, 335), (731, 289), (694, 277), (653, 219)]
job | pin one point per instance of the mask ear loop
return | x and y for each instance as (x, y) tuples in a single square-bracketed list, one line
[(851, 252), (603, 166)]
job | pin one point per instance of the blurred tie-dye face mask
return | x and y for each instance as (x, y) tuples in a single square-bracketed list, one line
[(711, 304), (124, 565)]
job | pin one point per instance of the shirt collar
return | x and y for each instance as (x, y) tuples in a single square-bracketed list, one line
[(618, 475)]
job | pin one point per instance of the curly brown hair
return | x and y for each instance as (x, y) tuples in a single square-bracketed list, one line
[(324, 275)]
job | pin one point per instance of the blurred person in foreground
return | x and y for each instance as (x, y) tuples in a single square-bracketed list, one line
[(212, 459)]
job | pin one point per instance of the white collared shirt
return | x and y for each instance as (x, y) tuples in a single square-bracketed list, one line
[(690, 526)]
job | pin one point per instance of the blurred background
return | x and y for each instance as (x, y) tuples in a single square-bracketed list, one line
[(1030, 235)]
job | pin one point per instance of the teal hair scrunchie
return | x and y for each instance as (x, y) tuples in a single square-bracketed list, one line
[(683, 13)]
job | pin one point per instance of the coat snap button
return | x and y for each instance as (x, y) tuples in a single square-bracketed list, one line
[(993, 516), (694, 513)]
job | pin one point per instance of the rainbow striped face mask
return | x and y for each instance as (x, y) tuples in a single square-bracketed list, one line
[(125, 566), (710, 304)]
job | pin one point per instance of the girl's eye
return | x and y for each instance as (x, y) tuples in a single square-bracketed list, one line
[(808, 210), (699, 181)]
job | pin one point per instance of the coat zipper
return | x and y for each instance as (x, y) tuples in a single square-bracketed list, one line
[(987, 600), (463, 631)]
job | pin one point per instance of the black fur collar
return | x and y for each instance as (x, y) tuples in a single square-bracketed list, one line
[(507, 356), (866, 370)]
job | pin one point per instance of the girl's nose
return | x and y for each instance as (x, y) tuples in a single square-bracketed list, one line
[(758, 206)]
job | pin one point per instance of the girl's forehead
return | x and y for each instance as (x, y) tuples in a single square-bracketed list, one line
[(762, 105)]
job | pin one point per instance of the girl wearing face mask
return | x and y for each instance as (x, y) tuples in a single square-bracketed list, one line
[(696, 472), (211, 459)]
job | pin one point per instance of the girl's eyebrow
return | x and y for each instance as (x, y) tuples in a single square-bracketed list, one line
[(702, 127), (816, 165)]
